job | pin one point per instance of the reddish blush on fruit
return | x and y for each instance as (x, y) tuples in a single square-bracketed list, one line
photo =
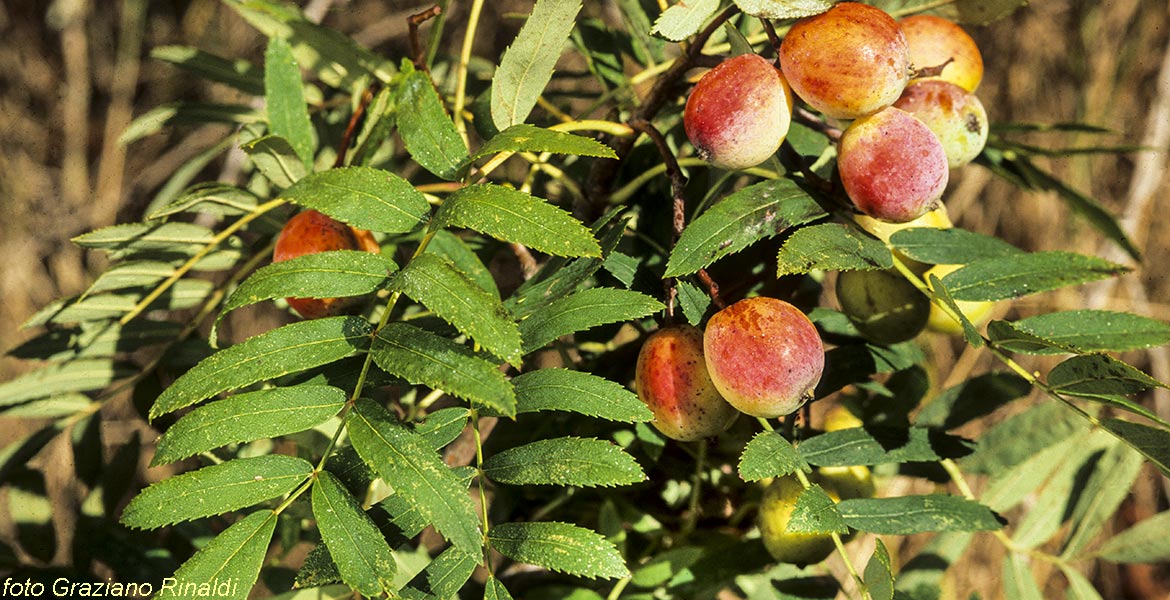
[(671, 379), (764, 356), (955, 115), (848, 62), (934, 40), (739, 112), (893, 167), (310, 232)]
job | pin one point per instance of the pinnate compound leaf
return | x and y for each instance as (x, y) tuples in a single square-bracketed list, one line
[(233, 557), (682, 20), (1097, 330), (783, 9), (443, 577), (1024, 274), (247, 417), (560, 547), (527, 65), (879, 445), (1152, 442), (216, 489), (952, 246), (579, 392), (741, 219), (434, 282), (564, 461), (417, 474), (331, 274), (522, 137), (288, 349), (428, 133), (769, 454), (363, 197), (423, 358), (832, 247), (359, 550), (906, 515), (583, 310), (288, 114), (513, 216), (62, 378), (1145, 542)]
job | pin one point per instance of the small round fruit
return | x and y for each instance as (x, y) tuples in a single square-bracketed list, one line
[(955, 115), (935, 40), (848, 62), (764, 356), (671, 379), (882, 305), (739, 112), (840, 417), (310, 232), (846, 483), (977, 312), (776, 508), (892, 165)]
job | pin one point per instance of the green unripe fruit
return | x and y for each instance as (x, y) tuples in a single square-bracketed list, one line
[(884, 307), (776, 508)]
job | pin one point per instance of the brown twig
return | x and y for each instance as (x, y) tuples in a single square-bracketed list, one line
[(815, 122), (354, 121), (417, 49), (678, 183), (712, 289), (772, 37)]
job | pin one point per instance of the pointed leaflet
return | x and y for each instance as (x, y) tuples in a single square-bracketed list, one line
[(879, 574), (575, 391), (560, 547), (234, 556), (1023, 274), (215, 490), (426, 130), (288, 115), (289, 349), (754, 213), (769, 455), (530, 138), (363, 197), (815, 513), (434, 282), (831, 247), (247, 417), (951, 246), (783, 9), (528, 63), (237, 73), (583, 310), (356, 546), (917, 514), (1152, 442), (73, 376), (1097, 330), (417, 474), (513, 216), (564, 461), (423, 358), (1108, 485), (331, 274), (1145, 542), (443, 577), (878, 445), (276, 159), (684, 19), (494, 589)]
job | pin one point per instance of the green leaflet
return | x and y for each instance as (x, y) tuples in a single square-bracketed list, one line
[(559, 546), (237, 73), (528, 63), (583, 310), (522, 137), (356, 546), (277, 159), (684, 19), (579, 392), (1020, 275), (831, 247), (879, 573), (514, 216), (1152, 442), (210, 197), (230, 562), (564, 461), (815, 513), (73, 376), (1145, 542), (426, 130), (331, 274), (917, 514), (284, 94), (443, 577), (952, 246), (878, 445), (1097, 330), (180, 113), (783, 9), (363, 197), (769, 455), (215, 490)]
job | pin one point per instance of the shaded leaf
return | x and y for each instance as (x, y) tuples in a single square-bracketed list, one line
[(186, 113), (522, 137), (236, 73), (1152, 442), (284, 94), (363, 197), (879, 445), (974, 398), (210, 197), (443, 577), (952, 246), (514, 216), (277, 160), (330, 274), (73, 376), (917, 514), (583, 310), (879, 573), (361, 554), (1024, 274), (235, 556), (527, 64)]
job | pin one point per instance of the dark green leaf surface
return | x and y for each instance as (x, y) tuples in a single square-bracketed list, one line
[(769, 454), (423, 358), (513, 216), (361, 554), (879, 445), (434, 282), (584, 310), (815, 513), (1152, 442), (441, 427), (575, 391), (831, 247), (246, 417), (1024, 274), (494, 589), (564, 461), (237, 73), (289, 349), (1097, 330), (417, 474), (879, 573), (741, 219), (528, 63), (215, 490), (1099, 374), (974, 398), (1005, 335), (454, 249), (284, 94), (233, 557), (426, 130), (530, 138), (331, 274), (560, 547), (443, 577), (952, 246), (917, 514), (364, 197)]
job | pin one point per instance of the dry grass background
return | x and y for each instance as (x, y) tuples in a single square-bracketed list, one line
[(74, 72)]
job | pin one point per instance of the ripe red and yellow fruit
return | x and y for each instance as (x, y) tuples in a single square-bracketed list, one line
[(671, 379), (764, 356), (955, 116), (310, 232), (934, 40), (739, 112)]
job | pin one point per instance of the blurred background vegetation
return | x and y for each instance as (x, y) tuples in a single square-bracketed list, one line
[(73, 73)]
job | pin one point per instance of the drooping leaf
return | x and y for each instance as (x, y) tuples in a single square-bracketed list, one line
[(769, 455), (741, 219), (1145, 542), (879, 573), (1024, 274), (579, 392), (276, 159), (528, 63), (494, 589), (1152, 442), (417, 474), (974, 398), (246, 417), (878, 445), (815, 513), (289, 349), (564, 461), (443, 577), (831, 246), (952, 246), (682, 20), (942, 293), (1097, 330), (234, 556), (363, 197), (1092, 375), (62, 378), (284, 94), (330, 274), (237, 73), (560, 547), (522, 137), (426, 130), (583, 310), (905, 515), (216, 489), (513, 216), (359, 550), (1005, 335)]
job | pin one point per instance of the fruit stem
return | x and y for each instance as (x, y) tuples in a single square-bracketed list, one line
[(692, 519)]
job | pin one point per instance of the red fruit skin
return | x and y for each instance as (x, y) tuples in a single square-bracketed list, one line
[(892, 165), (764, 356), (671, 379), (310, 232), (955, 115), (848, 62), (739, 112)]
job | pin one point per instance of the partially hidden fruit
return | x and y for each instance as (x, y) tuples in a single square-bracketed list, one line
[(310, 232), (739, 112), (671, 379), (848, 62), (776, 508), (847, 482), (934, 40), (977, 312), (884, 230), (955, 115), (764, 356), (892, 166), (882, 305)]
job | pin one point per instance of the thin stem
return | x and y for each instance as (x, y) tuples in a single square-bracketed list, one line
[(482, 478), (692, 519), (461, 69), (839, 544)]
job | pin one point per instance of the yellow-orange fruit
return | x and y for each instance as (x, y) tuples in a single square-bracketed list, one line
[(310, 232), (935, 40), (671, 379), (955, 116)]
